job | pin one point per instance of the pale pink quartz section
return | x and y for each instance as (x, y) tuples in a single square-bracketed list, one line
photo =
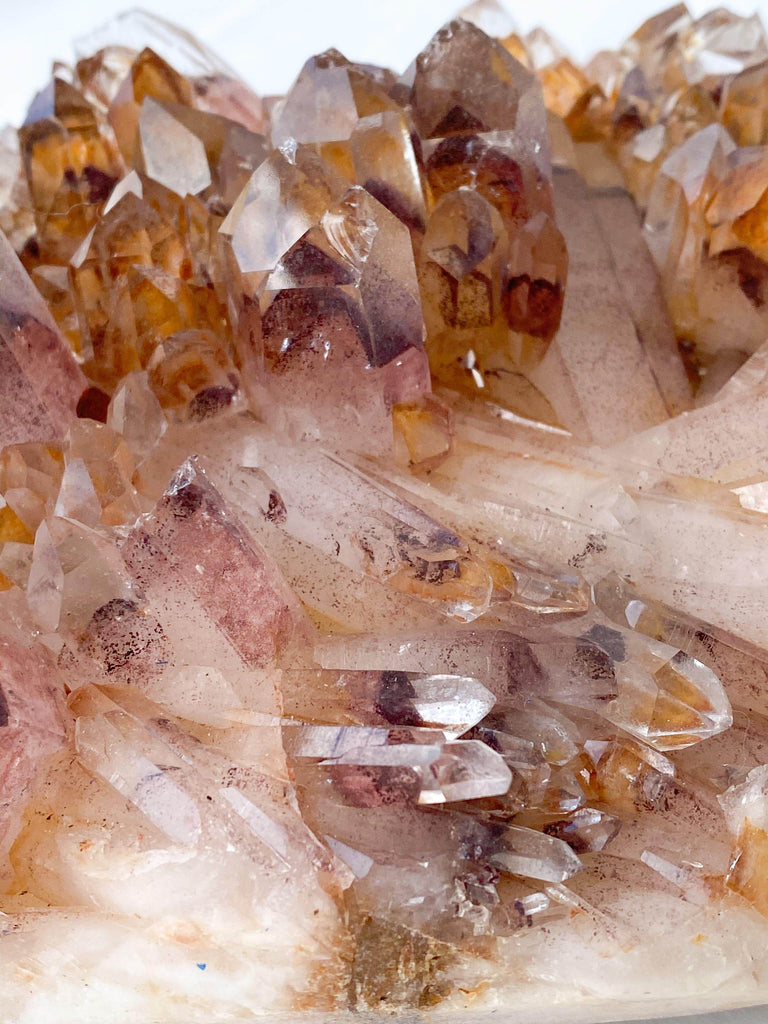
[(41, 382), (32, 727)]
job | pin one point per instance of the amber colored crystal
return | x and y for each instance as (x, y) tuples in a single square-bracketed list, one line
[(492, 313), (70, 164), (149, 77)]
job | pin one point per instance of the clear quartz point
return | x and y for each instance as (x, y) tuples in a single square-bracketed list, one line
[(418, 765), (519, 851)]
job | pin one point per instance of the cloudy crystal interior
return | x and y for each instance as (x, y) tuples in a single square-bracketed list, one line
[(383, 550)]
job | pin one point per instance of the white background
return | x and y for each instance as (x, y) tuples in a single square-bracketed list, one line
[(266, 41)]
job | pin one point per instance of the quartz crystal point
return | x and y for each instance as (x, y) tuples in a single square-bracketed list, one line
[(368, 771), (744, 806), (193, 152), (70, 165), (105, 55), (346, 113), (42, 383), (251, 616), (382, 541), (493, 262), (349, 516), (328, 299)]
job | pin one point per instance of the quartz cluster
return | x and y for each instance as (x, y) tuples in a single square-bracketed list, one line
[(383, 549)]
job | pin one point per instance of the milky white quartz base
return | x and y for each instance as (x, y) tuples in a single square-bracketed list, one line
[(69, 968)]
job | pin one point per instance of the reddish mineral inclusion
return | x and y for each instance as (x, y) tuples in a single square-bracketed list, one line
[(382, 554)]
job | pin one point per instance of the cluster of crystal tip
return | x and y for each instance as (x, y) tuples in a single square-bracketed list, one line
[(382, 545)]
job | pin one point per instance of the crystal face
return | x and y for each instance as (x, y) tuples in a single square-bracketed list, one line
[(382, 539)]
